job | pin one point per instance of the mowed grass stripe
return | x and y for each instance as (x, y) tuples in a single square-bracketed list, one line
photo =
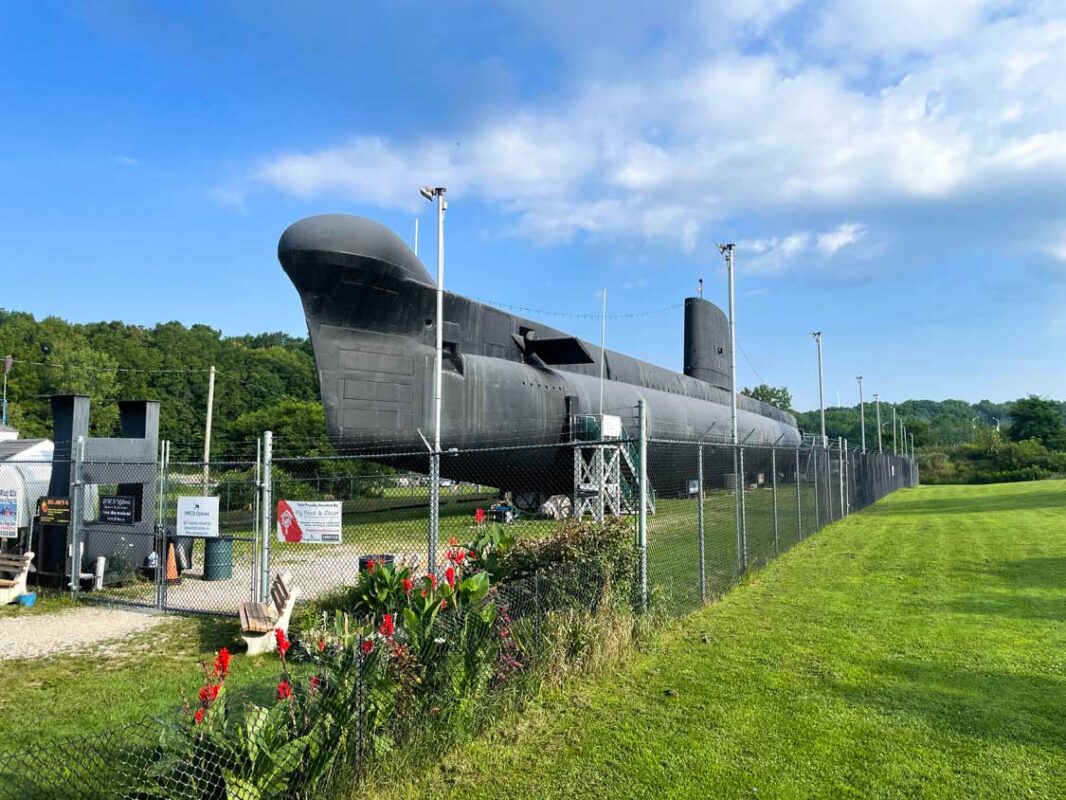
[(917, 649)]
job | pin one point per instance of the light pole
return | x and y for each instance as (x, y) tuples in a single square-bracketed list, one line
[(877, 401), (738, 452), (821, 384), (727, 251), (430, 194), (862, 415), (894, 450)]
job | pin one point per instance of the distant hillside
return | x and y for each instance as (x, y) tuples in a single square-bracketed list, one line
[(168, 362), (944, 422)]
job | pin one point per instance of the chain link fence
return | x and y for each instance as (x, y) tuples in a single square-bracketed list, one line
[(535, 560)]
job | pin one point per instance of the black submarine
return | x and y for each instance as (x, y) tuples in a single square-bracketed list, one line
[(370, 306)]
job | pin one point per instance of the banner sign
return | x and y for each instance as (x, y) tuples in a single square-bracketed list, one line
[(116, 509), (313, 522), (9, 513), (198, 517), (54, 510)]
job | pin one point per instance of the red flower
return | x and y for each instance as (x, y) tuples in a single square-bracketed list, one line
[(198, 716), (479, 516), (284, 690), (222, 662), (366, 645), (387, 628), (432, 580), (472, 555), (283, 643), (459, 556), (453, 541), (449, 575), (408, 585), (370, 565), (209, 693), (424, 592), (321, 645), (315, 682), (443, 604)]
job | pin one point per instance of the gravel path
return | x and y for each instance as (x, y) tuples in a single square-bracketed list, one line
[(37, 635)]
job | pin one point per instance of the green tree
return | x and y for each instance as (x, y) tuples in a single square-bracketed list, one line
[(1037, 418), (778, 396)]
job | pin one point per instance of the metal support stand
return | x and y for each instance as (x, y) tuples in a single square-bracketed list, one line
[(840, 473)]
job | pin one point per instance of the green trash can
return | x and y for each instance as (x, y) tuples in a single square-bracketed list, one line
[(218, 559)]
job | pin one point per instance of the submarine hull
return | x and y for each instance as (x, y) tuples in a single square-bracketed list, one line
[(511, 386)]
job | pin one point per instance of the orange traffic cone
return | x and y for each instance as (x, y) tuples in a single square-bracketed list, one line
[(172, 575)]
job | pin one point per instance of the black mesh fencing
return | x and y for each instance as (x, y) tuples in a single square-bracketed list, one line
[(415, 622)]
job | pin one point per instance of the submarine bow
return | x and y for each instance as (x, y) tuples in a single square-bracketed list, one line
[(370, 308)]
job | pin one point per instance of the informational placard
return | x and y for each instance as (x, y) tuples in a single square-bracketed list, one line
[(54, 510), (117, 509), (311, 522), (198, 517), (9, 513)]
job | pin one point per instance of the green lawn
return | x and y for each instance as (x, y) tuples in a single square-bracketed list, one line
[(47, 699), (917, 649)]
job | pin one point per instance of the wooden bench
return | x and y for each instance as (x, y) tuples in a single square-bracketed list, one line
[(258, 620), (17, 567)]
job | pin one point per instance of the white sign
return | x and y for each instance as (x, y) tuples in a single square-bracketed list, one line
[(198, 517), (315, 522), (9, 513), (611, 426)]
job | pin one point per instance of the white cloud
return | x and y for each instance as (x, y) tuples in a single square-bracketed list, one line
[(847, 233), (667, 148)]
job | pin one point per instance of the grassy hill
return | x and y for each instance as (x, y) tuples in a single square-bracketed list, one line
[(913, 650)]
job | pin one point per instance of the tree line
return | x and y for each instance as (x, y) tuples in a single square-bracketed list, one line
[(269, 381)]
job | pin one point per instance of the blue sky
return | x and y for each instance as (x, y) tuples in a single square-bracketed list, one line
[(892, 176)]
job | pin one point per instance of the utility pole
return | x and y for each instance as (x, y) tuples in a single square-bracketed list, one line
[(207, 426), (877, 401), (438, 376), (821, 384), (862, 416)]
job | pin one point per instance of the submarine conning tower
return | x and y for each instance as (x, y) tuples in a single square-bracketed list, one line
[(707, 343)]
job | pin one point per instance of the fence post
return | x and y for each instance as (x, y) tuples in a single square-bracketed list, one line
[(77, 499), (266, 516), (161, 526), (828, 483), (257, 530), (433, 537), (699, 516), (799, 501), (817, 499), (840, 473), (642, 515), (773, 485)]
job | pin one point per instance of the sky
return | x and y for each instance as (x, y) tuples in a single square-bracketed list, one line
[(891, 172)]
